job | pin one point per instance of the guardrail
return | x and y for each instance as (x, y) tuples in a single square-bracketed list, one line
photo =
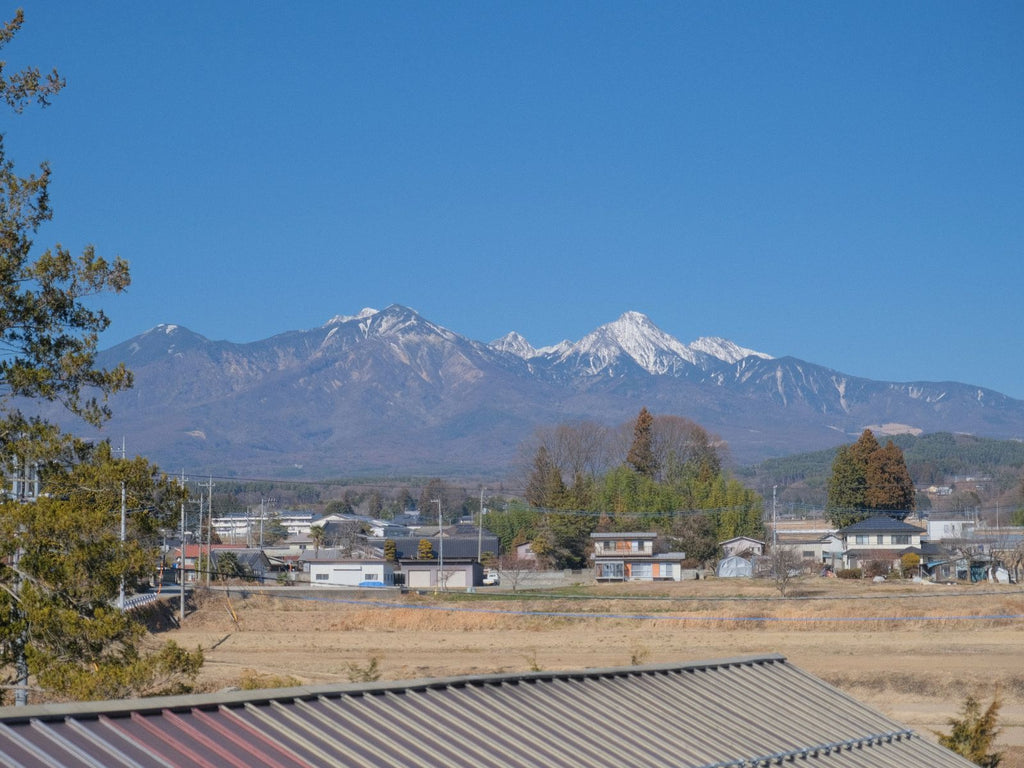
[(137, 601)]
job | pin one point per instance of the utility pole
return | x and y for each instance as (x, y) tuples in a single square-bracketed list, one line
[(20, 660), (181, 570), (480, 530), (775, 524), (440, 546), (209, 532), (199, 542), (124, 515), (263, 516)]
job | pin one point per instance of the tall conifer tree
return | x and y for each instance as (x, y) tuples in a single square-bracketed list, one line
[(867, 479), (641, 452)]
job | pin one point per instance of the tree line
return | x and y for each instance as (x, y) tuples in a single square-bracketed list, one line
[(657, 473)]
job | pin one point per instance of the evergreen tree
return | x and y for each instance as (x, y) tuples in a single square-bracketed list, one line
[(61, 558), (641, 452), (48, 330), (974, 733), (564, 538), (425, 550), (62, 565), (514, 525), (867, 479), (889, 487), (847, 486), (544, 485), (390, 551)]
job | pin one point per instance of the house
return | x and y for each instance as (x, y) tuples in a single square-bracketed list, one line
[(253, 562), (194, 553), (744, 546), (351, 573), (631, 557), (459, 573), (813, 548), (950, 530), (879, 539), (525, 553), (753, 711), (467, 544)]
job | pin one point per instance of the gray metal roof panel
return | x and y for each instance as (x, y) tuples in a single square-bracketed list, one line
[(881, 524), (731, 712)]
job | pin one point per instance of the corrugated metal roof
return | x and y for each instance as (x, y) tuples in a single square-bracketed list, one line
[(734, 712)]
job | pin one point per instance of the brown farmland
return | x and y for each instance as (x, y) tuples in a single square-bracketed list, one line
[(912, 651)]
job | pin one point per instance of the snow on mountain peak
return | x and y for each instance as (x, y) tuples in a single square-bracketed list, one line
[(515, 344), (363, 313), (724, 349), (632, 336)]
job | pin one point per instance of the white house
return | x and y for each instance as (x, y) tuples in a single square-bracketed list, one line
[(882, 538), (351, 573), (945, 530)]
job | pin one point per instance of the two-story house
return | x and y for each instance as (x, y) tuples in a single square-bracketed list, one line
[(882, 538), (631, 557)]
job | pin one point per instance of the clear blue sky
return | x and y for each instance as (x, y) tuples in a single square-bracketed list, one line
[(841, 182)]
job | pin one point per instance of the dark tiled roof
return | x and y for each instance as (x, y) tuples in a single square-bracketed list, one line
[(739, 712), (454, 546), (881, 524)]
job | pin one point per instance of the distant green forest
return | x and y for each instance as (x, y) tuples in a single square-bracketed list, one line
[(934, 459)]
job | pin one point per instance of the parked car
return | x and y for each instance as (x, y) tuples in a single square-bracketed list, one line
[(491, 578)]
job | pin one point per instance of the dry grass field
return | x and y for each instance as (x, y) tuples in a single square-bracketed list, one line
[(912, 651)]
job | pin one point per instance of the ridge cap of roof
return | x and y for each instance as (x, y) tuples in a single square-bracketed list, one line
[(120, 707)]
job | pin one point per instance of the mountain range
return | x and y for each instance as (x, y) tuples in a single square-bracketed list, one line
[(389, 392)]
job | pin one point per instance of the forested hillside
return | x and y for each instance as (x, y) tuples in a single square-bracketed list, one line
[(939, 459)]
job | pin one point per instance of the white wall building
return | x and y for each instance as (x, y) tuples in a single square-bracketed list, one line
[(350, 573)]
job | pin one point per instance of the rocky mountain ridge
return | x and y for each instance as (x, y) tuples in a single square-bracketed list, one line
[(387, 392)]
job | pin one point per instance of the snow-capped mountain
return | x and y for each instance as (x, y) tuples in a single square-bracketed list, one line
[(387, 391), (632, 340)]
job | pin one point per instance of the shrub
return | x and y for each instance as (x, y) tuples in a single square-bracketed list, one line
[(876, 568), (909, 564), (973, 734), (849, 573)]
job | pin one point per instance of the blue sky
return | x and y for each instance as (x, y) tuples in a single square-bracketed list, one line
[(840, 182)]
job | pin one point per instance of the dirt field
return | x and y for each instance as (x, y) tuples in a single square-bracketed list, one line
[(911, 651)]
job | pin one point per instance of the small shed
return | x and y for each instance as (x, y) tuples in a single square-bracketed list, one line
[(734, 567)]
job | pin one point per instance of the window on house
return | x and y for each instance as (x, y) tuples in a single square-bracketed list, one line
[(860, 539), (901, 539), (634, 546), (323, 576), (641, 571), (608, 546), (610, 571), (808, 554), (880, 540)]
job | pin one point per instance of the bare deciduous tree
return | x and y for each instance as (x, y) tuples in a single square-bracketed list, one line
[(786, 565), (514, 569)]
